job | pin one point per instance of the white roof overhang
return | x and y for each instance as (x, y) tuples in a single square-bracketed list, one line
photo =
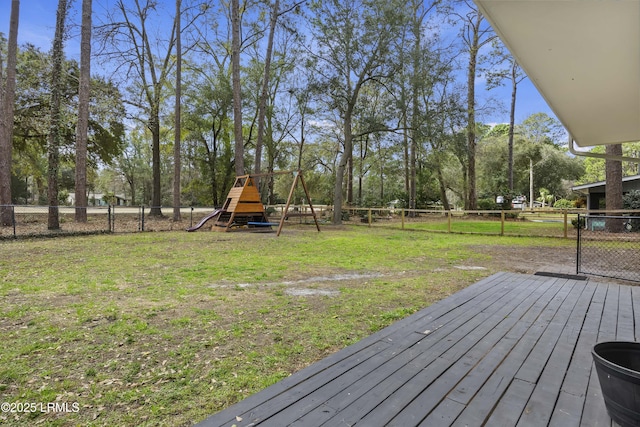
[(584, 58)]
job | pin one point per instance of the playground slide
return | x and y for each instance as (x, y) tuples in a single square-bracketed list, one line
[(205, 219)]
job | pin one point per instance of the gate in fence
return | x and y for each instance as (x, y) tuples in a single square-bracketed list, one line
[(609, 246)]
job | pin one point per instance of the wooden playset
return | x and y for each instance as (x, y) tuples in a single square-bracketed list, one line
[(243, 208)]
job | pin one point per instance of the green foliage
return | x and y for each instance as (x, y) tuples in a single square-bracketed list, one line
[(595, 167), (564, 204), (109, 198), (32, 118), (578, 224), (539, 128), (631, 200), (488, 204), (554, 168), (63, 197), (499, 130), (533, 145), (19, 190)]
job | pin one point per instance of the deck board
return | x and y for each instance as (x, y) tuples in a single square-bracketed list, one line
[(511, 349)]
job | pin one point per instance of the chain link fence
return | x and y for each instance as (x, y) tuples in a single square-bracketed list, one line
[(32, 221), (609, 246)]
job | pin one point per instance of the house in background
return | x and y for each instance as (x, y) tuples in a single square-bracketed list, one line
[(97, 199), (596, 192)]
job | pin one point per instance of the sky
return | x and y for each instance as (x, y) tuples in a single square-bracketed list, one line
[(37, 26)]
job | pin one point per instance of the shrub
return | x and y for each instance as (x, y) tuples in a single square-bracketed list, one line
[(580, 202), (563, 204), (512, 215), (631, 200), (488, 205), (578, 224)]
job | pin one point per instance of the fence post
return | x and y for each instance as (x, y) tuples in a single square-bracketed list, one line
[(578, 247), (191, 218), (566, 224), (109, 218), (141, 217), (502, 223), (13, 220), (369, 216), (449, 221), (402, 217)]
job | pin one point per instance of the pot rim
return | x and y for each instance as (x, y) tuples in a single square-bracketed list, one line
[(607, 363)]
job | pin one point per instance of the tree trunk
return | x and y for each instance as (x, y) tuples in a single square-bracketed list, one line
[(415, 111), (7, 98), (176, 140), (512, 120), (156, 197), (237, 89), (471, 126), (342, 166), (350, 181), (405, 147), (613, 169), (443, 189), (54, 140), (265, 86), (382, 183), (84, 91), (531, 194), (474, 44)]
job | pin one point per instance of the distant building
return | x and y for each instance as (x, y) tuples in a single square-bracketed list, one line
[(597, 191), (97, 199)]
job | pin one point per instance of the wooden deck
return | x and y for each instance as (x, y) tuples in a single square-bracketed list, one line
[(510, 350)]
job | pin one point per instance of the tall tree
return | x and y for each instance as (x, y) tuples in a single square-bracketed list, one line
[(55, 128), (128, 41), (354, 49), (503, 67), (84, 92), (420, 82), (176, 140), (516, 76), (262, 103), (7, 97), (476, 33), (237, 87), (264, 91)]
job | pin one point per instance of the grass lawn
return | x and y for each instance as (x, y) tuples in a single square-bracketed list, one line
[(553, 227), (168, 328)]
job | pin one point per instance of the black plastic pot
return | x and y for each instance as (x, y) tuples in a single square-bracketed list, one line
[(618, 367)]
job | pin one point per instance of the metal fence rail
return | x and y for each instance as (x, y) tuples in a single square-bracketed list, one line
[(609, 246)]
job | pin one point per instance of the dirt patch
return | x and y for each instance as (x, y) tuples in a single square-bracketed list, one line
[(529, 259), (311, 280), (305, 292)]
